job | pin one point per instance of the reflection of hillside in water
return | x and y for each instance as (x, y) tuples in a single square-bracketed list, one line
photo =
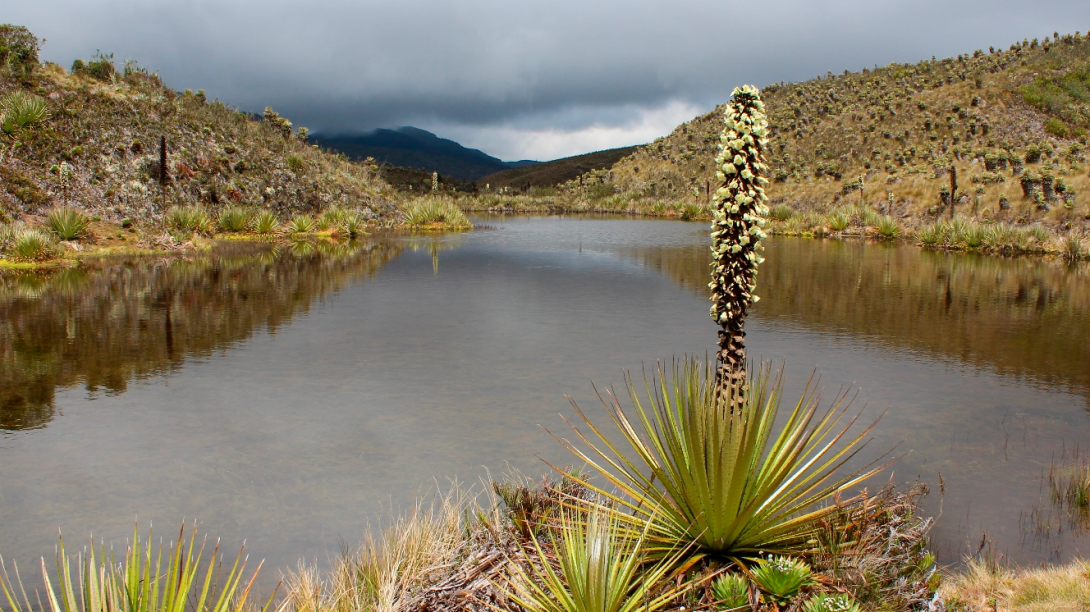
[(114, 321), (1021, 317)]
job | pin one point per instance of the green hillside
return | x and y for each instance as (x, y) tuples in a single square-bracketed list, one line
[(1012, 122), (551, 173), (89, 138)]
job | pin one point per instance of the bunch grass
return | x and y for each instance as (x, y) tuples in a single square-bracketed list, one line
[(67, 223), (146, 580)]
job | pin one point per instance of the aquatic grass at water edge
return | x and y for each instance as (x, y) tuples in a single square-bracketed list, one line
[(265, 222), (193, 218), (234, 218)]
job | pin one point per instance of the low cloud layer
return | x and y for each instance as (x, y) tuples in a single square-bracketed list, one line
[(519, 79)]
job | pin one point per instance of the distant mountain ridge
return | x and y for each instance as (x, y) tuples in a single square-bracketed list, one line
[(555, 172), (410, 147)]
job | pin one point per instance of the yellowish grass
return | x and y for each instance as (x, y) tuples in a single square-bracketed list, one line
[(390, 567), (986, 587)]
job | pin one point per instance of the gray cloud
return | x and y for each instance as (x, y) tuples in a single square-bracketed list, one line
[(565, 65)]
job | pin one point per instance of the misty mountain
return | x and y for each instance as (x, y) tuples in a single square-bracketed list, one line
[(410, 147)]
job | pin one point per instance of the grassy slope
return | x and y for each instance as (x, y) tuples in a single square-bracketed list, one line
[(551, 173), (104, 135), (893, 127)]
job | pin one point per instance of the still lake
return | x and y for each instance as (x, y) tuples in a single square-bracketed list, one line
[(287, 397)]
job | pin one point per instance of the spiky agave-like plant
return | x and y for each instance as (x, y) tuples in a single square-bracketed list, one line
[(738, 220)]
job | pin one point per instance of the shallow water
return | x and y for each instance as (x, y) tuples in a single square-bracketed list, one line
[(287, 397)]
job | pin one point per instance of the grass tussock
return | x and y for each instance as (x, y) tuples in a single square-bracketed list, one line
[(167, 579), (67, 223), (986, 587), (436, 212), (392, 566)]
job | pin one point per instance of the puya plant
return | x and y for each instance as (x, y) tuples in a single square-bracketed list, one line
[(711, 470), (738, 219)]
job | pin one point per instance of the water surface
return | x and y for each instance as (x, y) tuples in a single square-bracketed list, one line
[(288, 396)]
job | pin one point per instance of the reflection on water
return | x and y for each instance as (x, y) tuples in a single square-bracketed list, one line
[(110, 322), (286, 397), (1019, 317)]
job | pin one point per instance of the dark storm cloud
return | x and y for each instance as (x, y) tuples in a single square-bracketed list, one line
[(564, 65)]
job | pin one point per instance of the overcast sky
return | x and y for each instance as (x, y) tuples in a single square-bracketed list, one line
[(519, 79)]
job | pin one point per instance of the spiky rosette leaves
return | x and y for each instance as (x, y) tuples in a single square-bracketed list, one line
[(738, 219)]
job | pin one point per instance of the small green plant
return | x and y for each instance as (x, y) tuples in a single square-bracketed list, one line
[(600, 568), (352, 224), (732, 592), (435, 211), (296, 163), (888, 227), (141, 582), (32, 245), (301, 224), (690, 211), (838, 221), (781, 578), (1056, 128), (265, 222), (331, 217), (1071, 247), (234, 219), (67, 223), (823, 602), (193, 218), (21, 111), (782, 212)]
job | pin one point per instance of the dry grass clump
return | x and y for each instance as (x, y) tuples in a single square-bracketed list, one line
[(392, 567), (989, 587)]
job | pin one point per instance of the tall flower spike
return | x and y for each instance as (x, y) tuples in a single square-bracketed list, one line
[(737, 229)]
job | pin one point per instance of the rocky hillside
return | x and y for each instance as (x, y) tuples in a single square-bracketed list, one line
[(90, 137), (1012, 122)]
